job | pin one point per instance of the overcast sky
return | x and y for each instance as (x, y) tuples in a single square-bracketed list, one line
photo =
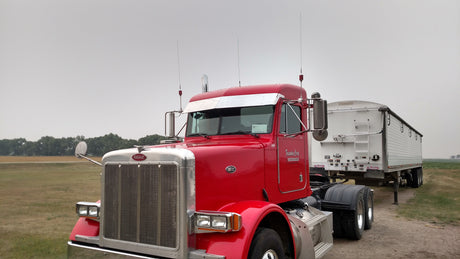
[(91, 67)]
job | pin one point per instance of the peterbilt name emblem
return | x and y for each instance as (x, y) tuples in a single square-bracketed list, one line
[(230, 169), (139, 157)]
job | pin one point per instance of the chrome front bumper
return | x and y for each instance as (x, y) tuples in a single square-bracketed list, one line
[(75, 250)]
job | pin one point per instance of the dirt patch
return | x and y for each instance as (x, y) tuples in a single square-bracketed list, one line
[(392, 236)]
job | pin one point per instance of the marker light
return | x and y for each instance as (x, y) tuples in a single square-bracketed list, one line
[(88, 209), (205, 222)]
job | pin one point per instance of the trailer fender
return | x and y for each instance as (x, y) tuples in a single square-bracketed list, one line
[(237, 244), (85, 227)]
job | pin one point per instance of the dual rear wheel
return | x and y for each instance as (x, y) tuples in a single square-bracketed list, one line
[(351, 222)]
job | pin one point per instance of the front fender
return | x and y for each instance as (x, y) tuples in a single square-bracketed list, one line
[(237, 244), (85, 227)]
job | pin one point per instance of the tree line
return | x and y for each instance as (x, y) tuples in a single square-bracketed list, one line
[(50, 146)]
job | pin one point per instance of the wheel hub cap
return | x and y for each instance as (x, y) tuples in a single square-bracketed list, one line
[(270, 254)]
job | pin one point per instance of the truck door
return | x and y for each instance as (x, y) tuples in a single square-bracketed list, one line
[(291, 150)]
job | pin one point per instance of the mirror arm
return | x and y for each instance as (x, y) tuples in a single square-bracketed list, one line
[(89, 159)]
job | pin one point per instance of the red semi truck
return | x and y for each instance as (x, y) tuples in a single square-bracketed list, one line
[(237, 186)]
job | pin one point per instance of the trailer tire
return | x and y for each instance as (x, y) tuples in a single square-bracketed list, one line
[(266, 244), (368, 208), (417, 177)]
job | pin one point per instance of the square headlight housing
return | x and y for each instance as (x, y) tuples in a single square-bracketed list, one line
[(205, 222), (88, 209)]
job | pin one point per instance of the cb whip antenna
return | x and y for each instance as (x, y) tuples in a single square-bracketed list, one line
[(301, 73), (238, 50), (178, 71)]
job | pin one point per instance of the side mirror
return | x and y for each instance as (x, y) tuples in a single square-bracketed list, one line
[(320, 114), (81, 149), (170, 124), (80, 152), (319, 117), (320, 135)]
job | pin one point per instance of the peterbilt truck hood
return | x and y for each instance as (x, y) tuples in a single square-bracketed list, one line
[(225, 170)]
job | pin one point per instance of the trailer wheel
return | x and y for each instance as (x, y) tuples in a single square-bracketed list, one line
[(266, 244), (368, 208), (417, 177)]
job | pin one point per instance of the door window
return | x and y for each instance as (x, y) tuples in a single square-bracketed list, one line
[(290, 122)]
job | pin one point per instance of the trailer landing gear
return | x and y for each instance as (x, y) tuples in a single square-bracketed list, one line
[(396, 182)]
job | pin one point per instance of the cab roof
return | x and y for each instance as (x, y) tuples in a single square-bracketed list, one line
[(287, 90)]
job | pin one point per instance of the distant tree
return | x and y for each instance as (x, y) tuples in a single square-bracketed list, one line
[(151, 140), (50, 146), (100, 145), (13, 147), (31, 149)]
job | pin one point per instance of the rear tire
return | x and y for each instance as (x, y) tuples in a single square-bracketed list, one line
[(266, 244), (417, 177), (347, 204), (368, 208), (354, 222)]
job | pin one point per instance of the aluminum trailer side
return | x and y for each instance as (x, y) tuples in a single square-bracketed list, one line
[(369, 143)]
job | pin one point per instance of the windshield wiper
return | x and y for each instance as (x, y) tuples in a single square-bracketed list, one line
[(204, 135), (242, 132)]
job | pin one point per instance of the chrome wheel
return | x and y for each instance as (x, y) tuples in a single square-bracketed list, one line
[(360, 214), (370, 209), (270, 254)]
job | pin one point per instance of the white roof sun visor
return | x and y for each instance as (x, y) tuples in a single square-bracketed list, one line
[(233, 101)]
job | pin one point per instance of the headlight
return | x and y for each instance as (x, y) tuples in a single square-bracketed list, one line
[(203, 221), (88, 209), (216, 222)]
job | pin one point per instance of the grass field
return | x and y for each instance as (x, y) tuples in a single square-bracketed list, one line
[(37, 205), (38, 196), (438, 200)]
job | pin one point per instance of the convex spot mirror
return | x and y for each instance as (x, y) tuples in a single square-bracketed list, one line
[(81, 149)]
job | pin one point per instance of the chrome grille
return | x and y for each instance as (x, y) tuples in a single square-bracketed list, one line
[(140, 203)]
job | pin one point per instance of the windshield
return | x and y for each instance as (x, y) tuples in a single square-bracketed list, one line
[(227, 121)]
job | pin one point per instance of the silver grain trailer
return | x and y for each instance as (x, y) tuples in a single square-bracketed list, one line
[(369, 143)]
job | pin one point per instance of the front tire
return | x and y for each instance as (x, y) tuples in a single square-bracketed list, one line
[(266, 244)]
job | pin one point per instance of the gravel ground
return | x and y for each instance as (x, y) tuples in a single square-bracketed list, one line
[(392, 236)]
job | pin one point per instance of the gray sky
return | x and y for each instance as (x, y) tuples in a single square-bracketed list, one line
[(90, 67)]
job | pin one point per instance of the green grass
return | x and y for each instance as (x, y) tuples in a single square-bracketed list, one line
[(438, 199), (37, 203), (37, 206)]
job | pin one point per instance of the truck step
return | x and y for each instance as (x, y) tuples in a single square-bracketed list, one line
[(321, 249), (315, 220)]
